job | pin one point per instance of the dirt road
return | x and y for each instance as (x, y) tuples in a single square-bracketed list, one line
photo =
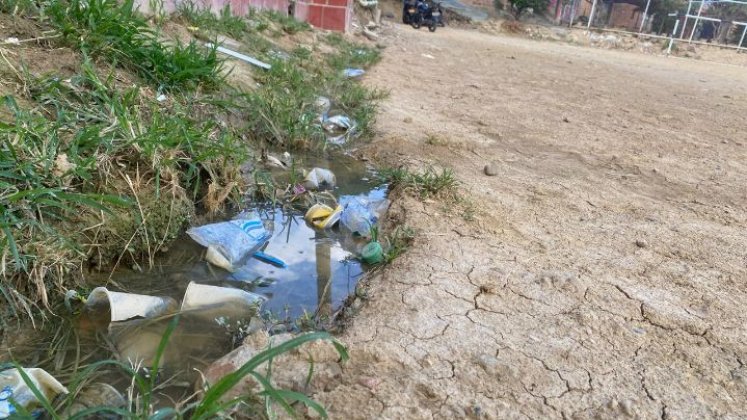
[(605, 271)]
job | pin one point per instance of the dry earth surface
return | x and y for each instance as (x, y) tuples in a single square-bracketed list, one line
[(603, 273)]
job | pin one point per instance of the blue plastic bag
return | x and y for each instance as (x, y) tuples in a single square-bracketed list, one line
[(234, 240)]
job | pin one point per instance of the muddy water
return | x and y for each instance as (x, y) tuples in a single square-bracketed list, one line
[(321, 273)]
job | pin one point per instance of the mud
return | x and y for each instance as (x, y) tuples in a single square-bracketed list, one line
[(600, 274)]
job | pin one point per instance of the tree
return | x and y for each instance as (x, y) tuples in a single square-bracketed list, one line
[(519, 6)]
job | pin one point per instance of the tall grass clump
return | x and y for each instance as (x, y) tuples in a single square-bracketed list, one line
[(19, 7), (429, 182), (211, 403), (224, 22), (288, 24), (96, 175), (114, 31), (350, 54)]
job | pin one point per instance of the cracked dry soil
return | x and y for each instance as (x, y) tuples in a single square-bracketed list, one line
[(604, 273)]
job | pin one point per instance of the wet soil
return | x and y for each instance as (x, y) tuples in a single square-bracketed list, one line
[(600, 273)]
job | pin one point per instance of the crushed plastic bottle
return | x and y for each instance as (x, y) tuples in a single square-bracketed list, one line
[(353, 73), (361, 213)]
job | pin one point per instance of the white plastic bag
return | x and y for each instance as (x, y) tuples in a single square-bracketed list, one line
[(229, 243), (13, 386), (319, 178)]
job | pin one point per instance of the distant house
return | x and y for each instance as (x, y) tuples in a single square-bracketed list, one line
[(622, 14)]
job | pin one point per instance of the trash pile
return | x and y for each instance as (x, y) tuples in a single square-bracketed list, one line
[(135, 324), (358, 215)]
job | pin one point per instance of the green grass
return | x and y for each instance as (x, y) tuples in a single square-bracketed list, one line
[(287, 23), (93, 154), (224, 22), (116, 32), (210, 404), (426, 183), (282, 111), (19, 7), (95, 173), (394, 243), (350, 54)]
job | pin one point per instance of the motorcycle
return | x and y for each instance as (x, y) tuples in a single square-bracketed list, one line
[(419, 13)]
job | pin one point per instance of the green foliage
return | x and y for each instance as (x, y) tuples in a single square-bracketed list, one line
[(116, 32), (350, 54), (225, 22), (212, 404), (64, 166), (19, 7), (289, 24), (283, 110), (426, 183), (394, 243)]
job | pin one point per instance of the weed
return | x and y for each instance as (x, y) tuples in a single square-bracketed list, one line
[(289, 24), (211, 404), (350, 54), (19, 7), (85, 176), (426, 183), (282, 110), (108, 29), (397, 242), (225, 22)]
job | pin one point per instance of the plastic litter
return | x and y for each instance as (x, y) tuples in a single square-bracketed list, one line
[(242, 57), (269, 259), (322, 216), (353, 73), (372, 253), (361, 213), (319, 178), (339, 123), (216, 301), (127, 306), (12, 386), (323, 105), (229, 243), (339, 127)]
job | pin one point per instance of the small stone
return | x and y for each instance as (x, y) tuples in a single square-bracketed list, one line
[(627, 407), (369, 382), (487, 362), (641, 243), (491, 169), (566, 120), (408, 120), (356, 305)]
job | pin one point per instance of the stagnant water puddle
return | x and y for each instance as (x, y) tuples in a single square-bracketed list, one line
[(322, 272)]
